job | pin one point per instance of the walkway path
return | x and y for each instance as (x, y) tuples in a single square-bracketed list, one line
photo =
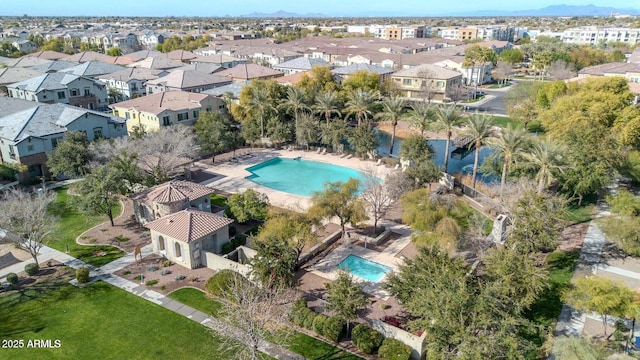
[(106, 273)]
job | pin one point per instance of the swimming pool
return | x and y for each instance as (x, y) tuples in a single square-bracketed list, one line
[(363, 268), (299, 177)]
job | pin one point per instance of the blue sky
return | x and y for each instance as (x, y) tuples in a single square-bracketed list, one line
[(207, 8)]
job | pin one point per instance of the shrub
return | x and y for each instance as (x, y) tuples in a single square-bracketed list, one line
[(163, 287), (384, 306), (318, 323), (227, 248), (151, 282), (152, 268), (366, 339), (126, 272), (139, 277), (393, 349), (219, 283), (166, 263), (165, 272), (308, 319), (302, 315), (179, 277), (82, 275), (12, 278), (31, 269), (297, 307), (333, 327)]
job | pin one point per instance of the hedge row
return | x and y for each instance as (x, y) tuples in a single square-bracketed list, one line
[(366, 339), (329, 327), (393, 349)]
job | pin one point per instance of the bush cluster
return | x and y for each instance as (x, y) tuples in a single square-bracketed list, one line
[(31, 269), (329, 327), (180, 277), (152, 268), (82, 275), (165, 272), (366, 339), (318, 323), (12, 278), (393, 349), (332, 328)]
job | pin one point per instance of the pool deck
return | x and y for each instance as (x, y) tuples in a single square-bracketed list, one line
[(327, 266), (231, 175)]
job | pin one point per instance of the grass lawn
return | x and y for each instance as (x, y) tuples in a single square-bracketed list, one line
[(546, 310), (300, 343), (505, 122), (71, 224), (218, 200), (99, 322), (496, 86)]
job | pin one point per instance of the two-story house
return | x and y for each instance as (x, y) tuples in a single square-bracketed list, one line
[(128, 83), (246, 72), (301, 64), (154, 111), (61, 88), (27, 136), (170, 197), (186, 80), (416, 81), (92, 69)]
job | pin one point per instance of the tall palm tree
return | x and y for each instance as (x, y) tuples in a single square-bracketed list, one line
[(447, 118), (479, 128), (360, 103), (421, 115), (509, 144), (545, 156), (327, 103), (392, 109), (261, 101), (294, 102)]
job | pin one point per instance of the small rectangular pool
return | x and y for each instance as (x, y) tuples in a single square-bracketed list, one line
[(363, 268)]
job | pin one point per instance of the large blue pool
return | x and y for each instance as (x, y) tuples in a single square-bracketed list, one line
[(363, 268), (300, 177)]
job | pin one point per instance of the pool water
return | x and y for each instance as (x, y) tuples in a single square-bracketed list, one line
[(363, 268), (299, 177)]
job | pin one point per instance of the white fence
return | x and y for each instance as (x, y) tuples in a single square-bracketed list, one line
[(416, 343), (217, 262)]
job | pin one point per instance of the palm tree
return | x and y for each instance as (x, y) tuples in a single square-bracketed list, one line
[(359, 103), (509, 144), (334, 133), (327, 103), (479, 128), (261, 101), (392, 108), (421, 115), (447, 118), (545, 156), (294, 102)]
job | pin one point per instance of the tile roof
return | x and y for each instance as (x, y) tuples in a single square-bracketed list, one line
[(56, 65), (9, 105), (87, 56), (186, 79), (249, 71), (610, 68), (354, 68), (234, 88), (208, 68), (26, 61), (143, 54), (44, 119), (293, 78), (188, 225), (48, 54), (301, 63), (435, 72), (215, 59), (52, 81), (166, 100), (161, 63), (133, 74), (12, 75), (172, 191), (181, 55), (92, 69)]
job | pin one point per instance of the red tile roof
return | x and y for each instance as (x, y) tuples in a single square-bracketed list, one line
[(173, 191), (189, 225)]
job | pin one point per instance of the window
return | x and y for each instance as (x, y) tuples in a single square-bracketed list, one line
[(97, 133), (74, 92), (161, 245), (183, 116), (127, 115), (166, 121), (12, 152), (55, 141), (440, 84), (87, 92), (177, 251), (195, 114), (406, 81), (61, 95), (29, 147)]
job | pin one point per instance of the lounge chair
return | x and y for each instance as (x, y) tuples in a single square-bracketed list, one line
[(379, 162), (324, 151), (343, 155), (349, 156), (319, 149)]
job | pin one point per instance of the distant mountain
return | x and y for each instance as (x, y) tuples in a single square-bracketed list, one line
[(556, 10), (282, 14)]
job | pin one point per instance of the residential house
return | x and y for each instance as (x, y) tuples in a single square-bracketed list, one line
[(157, 63), (222, 60), (416, 81), (25, 61), (54, 66), (301, 64), (165, 109), (130, 82), (150, 40), (25, 46), (170, 197), (186, 80), (629, 71), (48, 54), (85, 56), (345, 72), (12, 75), (250, 72), (27, 136), (62, 88), (189, 237)]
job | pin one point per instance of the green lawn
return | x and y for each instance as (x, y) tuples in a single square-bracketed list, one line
[(505, 122), (546, 310), (99, 322), (71, 224), (300, 343), (218, 200)]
